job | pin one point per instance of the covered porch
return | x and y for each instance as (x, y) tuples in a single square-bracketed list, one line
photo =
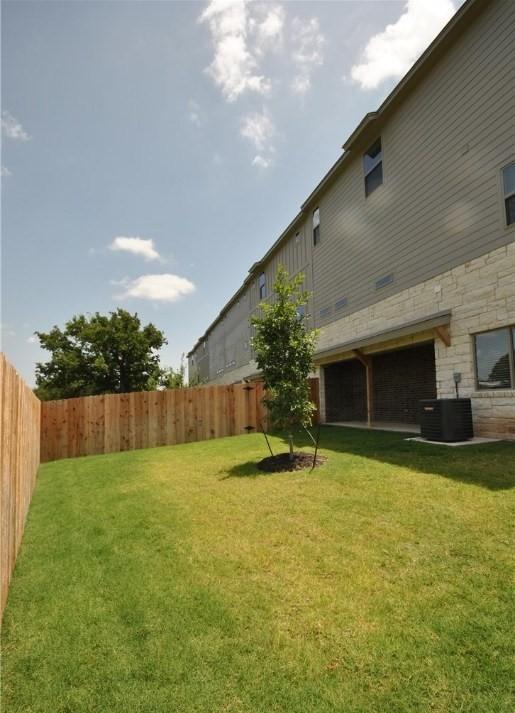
[(378, 381)]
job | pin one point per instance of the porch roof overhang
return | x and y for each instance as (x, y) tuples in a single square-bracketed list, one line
[(433, 321)]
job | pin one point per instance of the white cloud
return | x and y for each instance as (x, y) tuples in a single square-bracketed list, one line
[(261, 161), (4, 172), (12, 129), (159, 288), (32, 339), (136, 246), (308, 53), (301, 84), (268, 29), (391, 53), (234, 67), (260, 131)]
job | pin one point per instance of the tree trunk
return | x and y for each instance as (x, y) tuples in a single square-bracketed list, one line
[(290, 441)]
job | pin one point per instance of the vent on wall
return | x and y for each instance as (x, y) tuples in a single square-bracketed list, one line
[(383, 281), (325, 311), (340, 304)]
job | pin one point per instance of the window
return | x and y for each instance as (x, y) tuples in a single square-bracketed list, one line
[(373, 166), (508, 184), (384, 281), (494, 359), (316, 226), (301, 312), (262, 286)]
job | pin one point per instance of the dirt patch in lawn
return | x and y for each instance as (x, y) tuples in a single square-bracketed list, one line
[(282, 462)]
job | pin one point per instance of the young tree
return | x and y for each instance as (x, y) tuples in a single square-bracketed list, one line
[(99, 355), (284, 349)]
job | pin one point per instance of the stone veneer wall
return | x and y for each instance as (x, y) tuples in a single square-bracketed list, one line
[(481, 295)]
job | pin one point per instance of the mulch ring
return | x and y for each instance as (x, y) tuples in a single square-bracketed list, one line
[(281, 463)]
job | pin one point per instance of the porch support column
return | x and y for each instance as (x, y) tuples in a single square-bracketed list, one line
[(367, 363)]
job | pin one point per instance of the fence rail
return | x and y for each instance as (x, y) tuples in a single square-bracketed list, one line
[(19, 450)]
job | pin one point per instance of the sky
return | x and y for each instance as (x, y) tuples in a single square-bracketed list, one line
[(152, 151)]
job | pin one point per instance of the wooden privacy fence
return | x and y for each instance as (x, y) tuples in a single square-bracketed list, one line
[(19, 449), (120, 422), (92, 425)]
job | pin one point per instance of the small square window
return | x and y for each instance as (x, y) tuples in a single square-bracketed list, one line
[(373, 167), (316, 226), (508, 182)]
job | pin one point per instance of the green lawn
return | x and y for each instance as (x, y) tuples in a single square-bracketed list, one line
[(181, 579)]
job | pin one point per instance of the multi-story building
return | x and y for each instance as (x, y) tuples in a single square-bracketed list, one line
[(408, 244)]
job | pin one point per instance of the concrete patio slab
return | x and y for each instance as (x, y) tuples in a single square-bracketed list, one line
[(471, 442), (378, 426)]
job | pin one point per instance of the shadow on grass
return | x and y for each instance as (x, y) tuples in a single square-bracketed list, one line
[(244, 470), (490, 465)]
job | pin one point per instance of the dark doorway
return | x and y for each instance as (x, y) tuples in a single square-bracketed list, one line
[(345, 391), (401, 379)]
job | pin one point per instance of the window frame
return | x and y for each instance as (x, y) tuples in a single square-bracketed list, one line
[(510, 329), (505, 196), (316, 235), (377, 163)]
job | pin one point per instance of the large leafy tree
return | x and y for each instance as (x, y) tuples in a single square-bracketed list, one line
[(99, 354), (284, 349)]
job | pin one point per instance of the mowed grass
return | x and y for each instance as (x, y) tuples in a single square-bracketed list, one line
[(182, 579)]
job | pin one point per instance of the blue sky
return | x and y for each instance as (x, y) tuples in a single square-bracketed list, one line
[(152, 151)]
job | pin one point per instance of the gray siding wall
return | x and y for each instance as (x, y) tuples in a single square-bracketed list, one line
[(228, 343), (440, 204), (198, 365)]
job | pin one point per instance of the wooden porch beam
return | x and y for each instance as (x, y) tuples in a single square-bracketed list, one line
[(367, 363), (443, 334)]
